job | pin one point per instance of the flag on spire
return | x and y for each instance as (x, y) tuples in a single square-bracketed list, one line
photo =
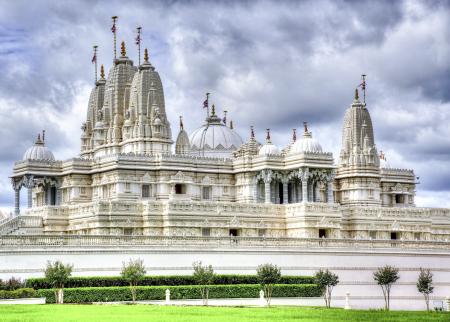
[(94, 58), (206, 102), (225, 117), (138, 39), (113, 28)]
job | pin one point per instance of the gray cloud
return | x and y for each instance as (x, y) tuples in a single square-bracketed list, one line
[(271, 64)]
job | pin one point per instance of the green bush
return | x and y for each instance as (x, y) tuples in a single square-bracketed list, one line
[(171, 280), (113, 294), (18, 294)]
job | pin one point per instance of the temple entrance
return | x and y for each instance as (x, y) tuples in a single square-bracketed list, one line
[(233, 232)]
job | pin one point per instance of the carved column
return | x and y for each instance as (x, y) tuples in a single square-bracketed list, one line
[(267, 181), (17, 201), (304, 178), (255, 190), (285, 191), (330, 192), (267, 191), (30, 197), (317, 192)]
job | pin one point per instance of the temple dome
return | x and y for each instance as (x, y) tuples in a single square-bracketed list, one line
[(38, 152), (268, 148), (307, 144), (214, 139)]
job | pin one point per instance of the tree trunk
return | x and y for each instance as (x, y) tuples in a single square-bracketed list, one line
[(133, 293), (59, 296)]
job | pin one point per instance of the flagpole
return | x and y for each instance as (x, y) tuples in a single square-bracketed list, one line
[(95, 62), (207, 104), (138, 43), (364, 88), (114, 18)]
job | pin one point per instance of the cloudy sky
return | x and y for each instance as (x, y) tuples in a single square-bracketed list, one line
[(271, 64)]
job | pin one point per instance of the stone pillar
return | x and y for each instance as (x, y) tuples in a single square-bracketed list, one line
[(167, 296), (347, 301), (285, 192), (17, 201), (330, 192), (30, 197), (317, 192), (304, 190), (267, 191)]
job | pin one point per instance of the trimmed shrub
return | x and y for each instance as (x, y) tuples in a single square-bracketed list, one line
[(170, 280), (114, 294), (11, 284), (18, 294)]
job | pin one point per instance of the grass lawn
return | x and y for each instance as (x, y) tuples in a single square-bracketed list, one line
[(127, 313)]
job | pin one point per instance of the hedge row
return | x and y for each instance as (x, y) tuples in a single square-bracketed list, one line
[(171, 280), (113, 294), (18, 294)]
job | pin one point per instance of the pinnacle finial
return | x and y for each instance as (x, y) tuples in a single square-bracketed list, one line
[(123, 50), (252, 132), (231, 124), (294, 135), (102, 72), (305, 126), (356, 95), (145, 55), (181, 123), (268, 135), (213, 110)]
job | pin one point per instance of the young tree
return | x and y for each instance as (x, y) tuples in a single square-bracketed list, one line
[(326, 280), (425, 285), (133, 272), (57, 274), (268, 275), (204, 276), (385, 277)]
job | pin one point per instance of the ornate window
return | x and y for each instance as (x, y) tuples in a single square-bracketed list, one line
[(206, 231), (180, 189), (206, 193), (145, 193), (262, 232)]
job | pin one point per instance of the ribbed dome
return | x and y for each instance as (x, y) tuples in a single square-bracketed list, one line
[(214, 139), (38, 152), (268, 148), (306, 145)]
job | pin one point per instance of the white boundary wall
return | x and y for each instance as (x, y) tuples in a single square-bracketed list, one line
[(355, 267)]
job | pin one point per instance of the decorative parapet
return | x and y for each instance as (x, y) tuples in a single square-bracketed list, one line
[(50, 241)]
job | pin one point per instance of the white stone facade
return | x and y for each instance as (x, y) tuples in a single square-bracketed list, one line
[(127, 180)]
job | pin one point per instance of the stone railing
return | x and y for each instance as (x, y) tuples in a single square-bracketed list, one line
[(214, 242), (15, 223)]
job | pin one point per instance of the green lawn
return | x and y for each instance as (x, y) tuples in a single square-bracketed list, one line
[(127, 313)]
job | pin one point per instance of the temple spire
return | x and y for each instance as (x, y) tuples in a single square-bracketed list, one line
[(123, 49), (145, 55)]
